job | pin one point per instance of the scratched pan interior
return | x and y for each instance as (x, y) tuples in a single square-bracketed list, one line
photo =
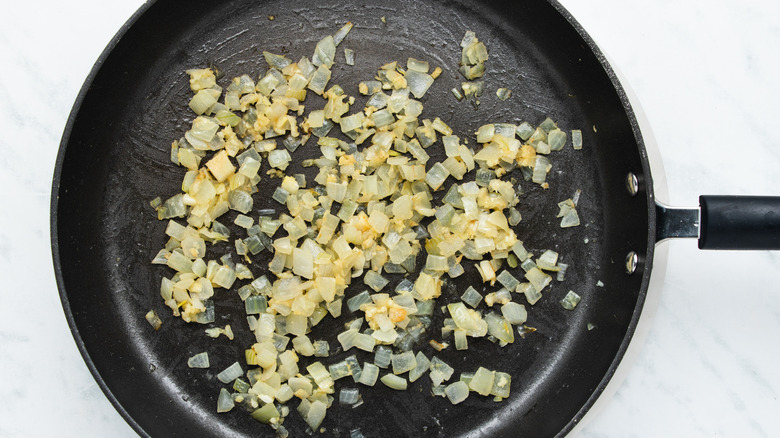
[(114, 160)]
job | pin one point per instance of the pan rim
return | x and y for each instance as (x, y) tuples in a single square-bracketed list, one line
[(646, 259), (54, 204)]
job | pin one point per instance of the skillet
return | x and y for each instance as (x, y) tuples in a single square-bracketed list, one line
[(114, 159)]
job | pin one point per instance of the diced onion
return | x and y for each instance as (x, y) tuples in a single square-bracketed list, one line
[(482, 382), (514, 313), (421, 367), (576, 139), (440, 371), (502, 383), (570, 301), (403, 362), (471, 297), (349, 56), (349, 396), (369, 374), (230, 373), (339, 36), (383, 356), (457, 392), (370, 215), (500, 328), (153, 319), (508, 280), (225, 401), (200, 360), (503, 93), (394, 382), (418, 82), (316, 414)]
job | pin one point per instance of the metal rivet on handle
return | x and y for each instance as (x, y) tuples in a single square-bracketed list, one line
[(632, 184), (632, 261)]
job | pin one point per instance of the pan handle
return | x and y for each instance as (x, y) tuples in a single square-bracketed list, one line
[(739, 222), (724, 222)]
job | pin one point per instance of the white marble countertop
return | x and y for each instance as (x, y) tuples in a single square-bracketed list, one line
[(706, 75)]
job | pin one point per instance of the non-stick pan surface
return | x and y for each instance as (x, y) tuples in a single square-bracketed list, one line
[(114, 159)]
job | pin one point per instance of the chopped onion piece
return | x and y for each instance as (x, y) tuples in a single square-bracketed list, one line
[(541, 168), (324, 52), (349, 56), (507, 130), (456, 270), (268, 414), (436, 176), (440, 371), (224, 277), (278, 62), (502, 383), (403, 362), (383, 356), (508, 280), (418, 82), (525, 131), (576, 139), (473, 88), (570, 301), (548, 261), (417, 65), (471, 297), (561, 271), (378, 100), (203, 100), (556, 139), (503, 93), (316, 414), (425, 308), (457, 392), (365, 342), (339, 36), (358, 300), (225, 401), (153, 319), (482, 382), (570, 219), (200, 360), (500, 328), (531, 294), (279, 159), (374, 281), (421, 367), (240, 200), (318, 83), (369, 374), (349, 396), (539, 280), (339, 370), (458, 95), (461, 342), (394, 382), (514, 313), (230, 373), (548, 125)]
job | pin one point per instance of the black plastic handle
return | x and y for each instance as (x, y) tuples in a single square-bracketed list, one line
[(739, 222)]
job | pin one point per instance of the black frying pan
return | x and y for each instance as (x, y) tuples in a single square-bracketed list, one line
[(114, 159)]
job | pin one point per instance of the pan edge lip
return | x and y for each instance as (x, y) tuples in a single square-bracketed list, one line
[(649, 194), (54, 206)]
